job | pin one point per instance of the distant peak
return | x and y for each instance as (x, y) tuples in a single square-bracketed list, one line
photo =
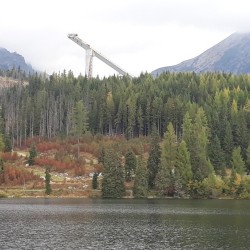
[(231, 55)]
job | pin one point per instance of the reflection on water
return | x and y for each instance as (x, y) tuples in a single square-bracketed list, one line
[(124, 224)]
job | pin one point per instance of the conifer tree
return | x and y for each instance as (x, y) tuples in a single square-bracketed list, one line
[(183, 168), (228, 144), (166, 175), (32, 155), (80, 123), (153, 159), (101, 155), (48, 189), (248, 159), (95, 181), (141, 180), (195, 134), (130, 164), (2, 145), (7, 144), (216, 155), (237, 161), (113, 176), (1, 166)]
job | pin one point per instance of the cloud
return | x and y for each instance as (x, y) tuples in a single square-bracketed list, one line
[(138, 35)]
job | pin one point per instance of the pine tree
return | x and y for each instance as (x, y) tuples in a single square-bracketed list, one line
[(113, 176), (237, 161), (32, 155), (48, 189), (130, 164), (153, 159), (141, 180)]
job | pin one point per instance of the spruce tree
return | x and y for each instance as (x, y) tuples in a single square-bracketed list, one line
[(101, 155), (248, 159), (48, 189), (183, 168), (165, 179), (195, 134), (237, 161), (141, 180), (130, 164), (113, 176), (7, 144), (80, 123), (216, 155), (95, 181), (2, 145), (153, 159), (227, 144), (1, 166), (32, 155)]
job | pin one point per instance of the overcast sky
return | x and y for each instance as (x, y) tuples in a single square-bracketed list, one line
[(138, 35)]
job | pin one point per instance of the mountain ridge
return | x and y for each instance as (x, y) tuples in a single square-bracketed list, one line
[(10, 60), (231, 55)]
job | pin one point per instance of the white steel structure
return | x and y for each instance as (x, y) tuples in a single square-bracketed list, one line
[(90, 53)]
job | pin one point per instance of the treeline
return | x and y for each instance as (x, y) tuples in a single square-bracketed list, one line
[(177, 167), (209, 112), (130, 107)]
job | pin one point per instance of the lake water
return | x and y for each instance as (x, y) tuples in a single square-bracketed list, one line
[(124, 224)]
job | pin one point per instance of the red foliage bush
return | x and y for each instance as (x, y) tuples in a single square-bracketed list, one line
[(91, 148), (58, 166), (99, 167), (16, 176), (79, 171), (46, 146), (9, 156)]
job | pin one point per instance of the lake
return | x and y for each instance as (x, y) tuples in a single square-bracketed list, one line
[(60, 223)]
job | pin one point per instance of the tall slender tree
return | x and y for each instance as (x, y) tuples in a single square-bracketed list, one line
[(32, 155), (248, 159), (130, 165), (80, 123), (216, 155), (140, 188), (48, 188), (183, 168), (237, 161), (153, 159), (166, 174)]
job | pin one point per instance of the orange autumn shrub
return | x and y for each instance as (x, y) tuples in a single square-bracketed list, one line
[(8, 156), (16, 176)]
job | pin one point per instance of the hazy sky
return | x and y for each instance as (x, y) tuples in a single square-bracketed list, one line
[(138, 35)]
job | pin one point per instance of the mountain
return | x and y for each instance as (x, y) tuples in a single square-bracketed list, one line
[(9, 60), (230, 55)]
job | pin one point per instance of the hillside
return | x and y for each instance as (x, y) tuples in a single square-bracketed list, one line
[(6, 82), (232, 55), (9, 60), (201, 121)]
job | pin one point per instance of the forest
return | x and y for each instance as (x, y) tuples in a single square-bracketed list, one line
[(197, 125)]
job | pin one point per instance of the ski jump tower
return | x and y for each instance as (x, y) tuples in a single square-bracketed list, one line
[(90, 53)]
